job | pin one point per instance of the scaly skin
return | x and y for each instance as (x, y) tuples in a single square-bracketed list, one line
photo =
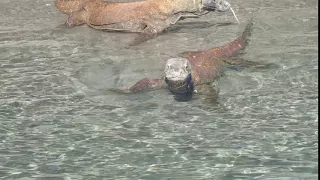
[(130, 8), (150, 16), (206, 65)]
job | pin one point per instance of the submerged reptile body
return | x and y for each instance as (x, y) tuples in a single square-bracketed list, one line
[(206, 65)]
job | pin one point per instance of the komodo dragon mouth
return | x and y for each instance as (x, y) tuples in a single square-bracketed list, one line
[(178, 75)]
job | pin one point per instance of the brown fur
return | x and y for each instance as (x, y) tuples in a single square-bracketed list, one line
[(122, 16)]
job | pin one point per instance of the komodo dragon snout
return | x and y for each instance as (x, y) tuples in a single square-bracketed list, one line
[(178, 75)]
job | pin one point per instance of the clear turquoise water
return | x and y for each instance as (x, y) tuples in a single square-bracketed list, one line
[(58, 121)]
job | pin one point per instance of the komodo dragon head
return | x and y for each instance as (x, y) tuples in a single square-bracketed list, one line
[(178, 75)]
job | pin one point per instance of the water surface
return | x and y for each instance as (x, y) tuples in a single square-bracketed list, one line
[(58, 121)]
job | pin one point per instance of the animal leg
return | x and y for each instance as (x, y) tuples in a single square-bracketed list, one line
[(143, 84), (77, 18), (154, 26), (127, 27), (130, 26), (177, 17), (208, 91), (157, 24), (240, 62)]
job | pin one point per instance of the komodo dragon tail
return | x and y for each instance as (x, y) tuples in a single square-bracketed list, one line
[(229, 49), (246, 33), (70, 6), (235, 46), (240, 44)]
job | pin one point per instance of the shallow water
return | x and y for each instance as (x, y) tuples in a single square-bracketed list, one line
[(58, 121)]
